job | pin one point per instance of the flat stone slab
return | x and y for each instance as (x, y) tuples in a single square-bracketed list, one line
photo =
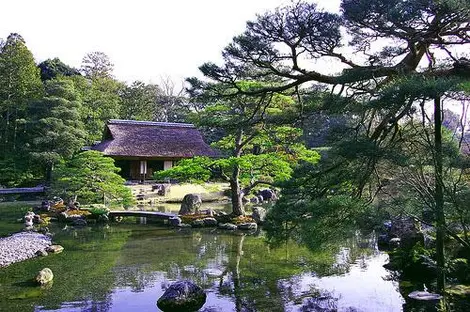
[(424, 295)]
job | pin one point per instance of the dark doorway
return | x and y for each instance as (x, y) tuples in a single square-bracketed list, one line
[(125, 166)]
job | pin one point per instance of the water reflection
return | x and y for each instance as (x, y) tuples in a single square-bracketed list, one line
[(129, 266), (240, 273)]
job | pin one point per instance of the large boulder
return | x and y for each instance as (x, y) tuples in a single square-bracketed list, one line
[(407, 230), (182, 296), (268, 194), (190, 204), (44, 276), (259, 214), (197, 223), (210, 221), (174, 221)]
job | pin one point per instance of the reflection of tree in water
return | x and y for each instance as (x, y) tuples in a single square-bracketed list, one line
[(238, 266)]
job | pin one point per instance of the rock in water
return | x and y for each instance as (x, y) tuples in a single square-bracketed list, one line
[(44, 276), (259, 214), (210, 221), (182, 296), (174, 221), (424, 295), (248, 226), (191, 203)]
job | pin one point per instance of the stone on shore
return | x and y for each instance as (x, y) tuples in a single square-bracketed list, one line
[(259, 214), (55, 249), (227, 226), (248, 226), (21, 246)]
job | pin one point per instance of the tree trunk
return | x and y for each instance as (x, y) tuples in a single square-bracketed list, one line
[(237, 194), (49, 168), (439, 196)]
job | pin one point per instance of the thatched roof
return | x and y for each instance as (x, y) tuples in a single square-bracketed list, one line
[(153, 140)]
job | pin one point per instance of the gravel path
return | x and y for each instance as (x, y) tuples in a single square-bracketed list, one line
[(21, 246)]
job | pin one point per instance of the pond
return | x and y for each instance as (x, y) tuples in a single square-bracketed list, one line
[(127, 267)]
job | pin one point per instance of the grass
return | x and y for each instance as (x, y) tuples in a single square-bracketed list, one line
[(208, 191)]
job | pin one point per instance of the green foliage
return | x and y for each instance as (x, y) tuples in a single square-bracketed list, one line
[(139, 101), (100, 102), (52, 68), (92, 178), (257, 141), (19, 85), (57, 131)]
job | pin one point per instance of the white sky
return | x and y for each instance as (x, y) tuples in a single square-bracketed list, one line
[(145, 39)]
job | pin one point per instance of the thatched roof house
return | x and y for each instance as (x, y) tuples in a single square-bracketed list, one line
[(142, 147)]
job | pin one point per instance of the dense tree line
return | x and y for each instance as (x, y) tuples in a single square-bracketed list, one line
[(49, 111)]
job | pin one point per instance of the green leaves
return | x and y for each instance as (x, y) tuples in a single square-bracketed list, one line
[(91, 177)]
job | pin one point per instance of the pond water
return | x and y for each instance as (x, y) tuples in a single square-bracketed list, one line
[(127, 267)]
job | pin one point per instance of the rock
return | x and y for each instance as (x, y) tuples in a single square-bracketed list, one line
[(245, 200), (174, 221), (254, 200), (41, 253), (182, 296), (103, 218), (394, 242), (161, 189), (424, 295), (55, 249), (79, 222), (211, 212), (260, 198), (190, 204), (408, 230), (197, 223), (259, 214), (45, 206), (247, 226), (44, 276), (210, 221), (227, 226), (29, 219), (63, 216), (37, 219), (268, 194), (28, 223), (184, 225)]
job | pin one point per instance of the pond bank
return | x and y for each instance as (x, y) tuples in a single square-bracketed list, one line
[(21, 246)]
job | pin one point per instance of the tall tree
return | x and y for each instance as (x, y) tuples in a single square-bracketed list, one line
[(259, 145), (101, 101), (51, 68), (54, 125), (19, 85), (97, 65), (171, 102), (139, 101), (91, 178), (277, 47)]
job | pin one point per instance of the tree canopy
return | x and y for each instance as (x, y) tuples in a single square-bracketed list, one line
[(392, 60)]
